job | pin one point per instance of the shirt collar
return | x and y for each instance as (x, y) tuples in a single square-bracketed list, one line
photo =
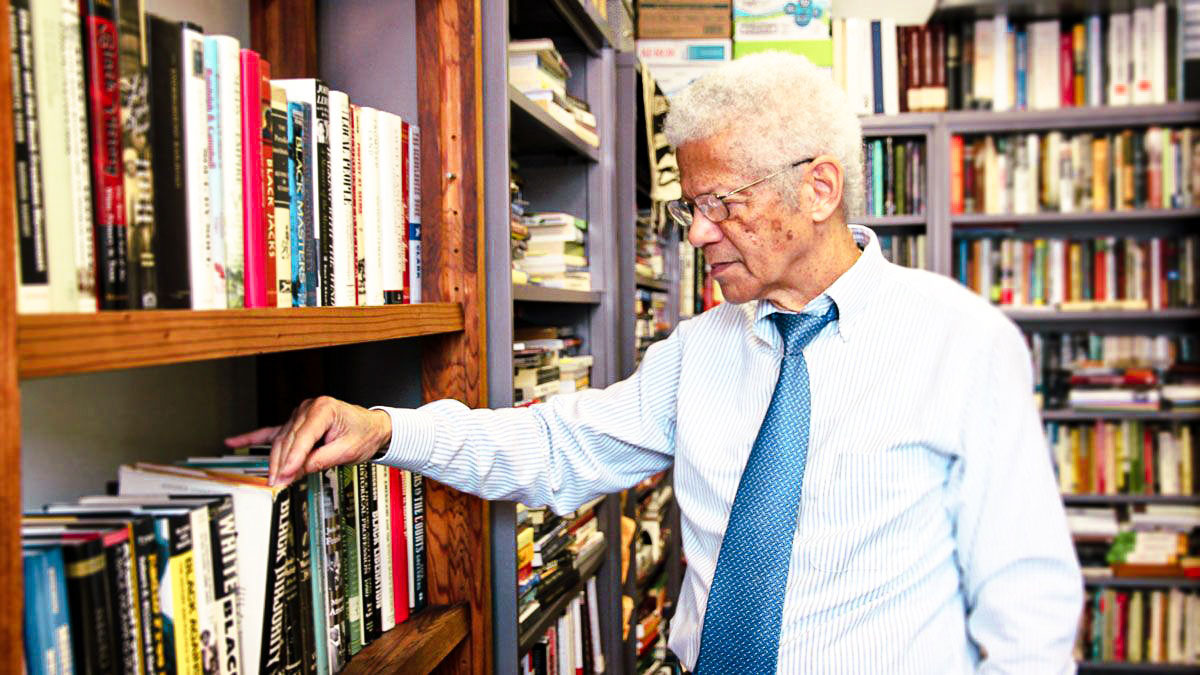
[(851, 292)]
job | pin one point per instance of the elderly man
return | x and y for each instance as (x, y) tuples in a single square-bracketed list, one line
[(861, 473)]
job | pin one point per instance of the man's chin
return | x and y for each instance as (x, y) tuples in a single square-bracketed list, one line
[(735, 292)]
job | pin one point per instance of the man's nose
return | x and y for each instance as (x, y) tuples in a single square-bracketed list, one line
[(703, 231)]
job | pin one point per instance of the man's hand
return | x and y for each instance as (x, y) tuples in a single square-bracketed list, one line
[(350, 434)]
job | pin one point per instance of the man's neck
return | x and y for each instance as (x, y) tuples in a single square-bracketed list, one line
[(825, 263)]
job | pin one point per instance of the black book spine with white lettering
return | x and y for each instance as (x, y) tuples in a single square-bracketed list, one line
[(275, 602), (104, 129), (292, 643), (88, 596), (136, 160), (351, 548), (34, 278), (324, 184), (223, 538), (420, 573), (367, 556), (118, 554), (303, 573)]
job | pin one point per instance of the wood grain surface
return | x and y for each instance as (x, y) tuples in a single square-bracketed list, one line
[(416, 646)]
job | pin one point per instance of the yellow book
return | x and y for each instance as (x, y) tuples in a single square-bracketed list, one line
[(1186, 480), (1100, 174), (185, 619)]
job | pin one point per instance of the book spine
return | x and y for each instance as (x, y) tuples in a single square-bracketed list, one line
[(309, 222), (399, 570), (165, 43), (1022, 66), (1066, 70), (104, 124), (253, 201), (391, 219), (360, 240), (33, 292), (123, 602), (281, 196), (420, 584), (76, 136), (214, 165), (877, 65), (341, 198), (137, 158), (205, 593), (332, 571), (317, 564), (370, 554), (145, 560), (273, 652), (207, 287), (954, 59), (227, 611), (323, 199), (902, 82), (229, 110), (186, 624), (415, 233), (368, 135), (299, 240), (351, 549), (1079, 64), (303, 579), (271, 236)]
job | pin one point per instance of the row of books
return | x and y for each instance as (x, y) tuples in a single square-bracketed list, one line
[(538, 70), (1159, 540), (554, 554), (194, 179), (909, 250), (1078, 274), (203, 567), (996, 63), (1126, 457), (895, 176), (553, 250), (1153, 168), (572, 645), (1142, 626), (547, 361), (1112, 373), (651, 322), (648, 258)]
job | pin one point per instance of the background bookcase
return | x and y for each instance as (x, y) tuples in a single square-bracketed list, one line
[(82, 393)]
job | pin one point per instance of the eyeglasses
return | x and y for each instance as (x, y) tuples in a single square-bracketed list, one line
[(713, 207)]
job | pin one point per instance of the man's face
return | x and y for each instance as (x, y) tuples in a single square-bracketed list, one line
[(755, 249)]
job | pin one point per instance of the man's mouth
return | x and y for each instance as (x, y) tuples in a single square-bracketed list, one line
[(718, 267)]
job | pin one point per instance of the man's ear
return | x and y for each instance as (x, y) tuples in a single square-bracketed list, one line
[(824, 181)]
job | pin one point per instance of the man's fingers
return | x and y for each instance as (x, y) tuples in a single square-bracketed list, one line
[(301, 440), (264, 435), (340, 451), (280, 444)]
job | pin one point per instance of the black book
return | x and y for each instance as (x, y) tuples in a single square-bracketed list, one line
[(368, 552), (164, 40), (967, 71), (303, 574), (293, 643), (31, 222), (137, 158), (420, 571), (324, 219), (276, 621), (88, 597), (953, 72)]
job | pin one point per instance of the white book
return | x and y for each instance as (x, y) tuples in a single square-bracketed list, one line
[(1033, 148), (1120, 60), (1158, 52), (1043, 65), (577, 629), (984, 70), (891, 68), (1156, 261), (383, 528), (1058, 256), (207, 284), (594, 624), (1002, 67), (360, 236), (415, 233), (1095, 70), (214, 167), (229, 109), (1142, 48), (368, 140), (858, 67), (1110, 268), (341, 195), (389, 171), (62, 135)]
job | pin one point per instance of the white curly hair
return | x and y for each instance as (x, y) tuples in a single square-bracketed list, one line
[(780, 109)]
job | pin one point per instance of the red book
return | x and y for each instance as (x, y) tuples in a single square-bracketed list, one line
[(928, 79), (270, 274), (1066, 69), (1148, 459), (104, 129), (956, 174), (253, 219), (916, 91), (1099, 274), (405, 168), (399, 546)]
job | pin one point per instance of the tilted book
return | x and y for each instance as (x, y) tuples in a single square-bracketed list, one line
[(137, 155)]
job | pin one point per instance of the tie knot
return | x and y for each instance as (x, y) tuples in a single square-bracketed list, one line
[(797, 330)]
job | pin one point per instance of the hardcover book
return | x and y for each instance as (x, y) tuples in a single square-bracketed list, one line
[(137, 155)]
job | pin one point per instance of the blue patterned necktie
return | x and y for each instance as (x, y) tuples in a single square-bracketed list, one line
[(745, 603)]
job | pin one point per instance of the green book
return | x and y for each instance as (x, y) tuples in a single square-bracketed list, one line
[(348, 478)]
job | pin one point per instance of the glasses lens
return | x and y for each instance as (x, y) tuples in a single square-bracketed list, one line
[(680, 211), (714, 209)]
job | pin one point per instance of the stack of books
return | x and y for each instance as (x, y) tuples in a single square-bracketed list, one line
[(1132, 273), (648, 258), (538, 70), (572, 643), (1140, 626), (651, 322), (1153, 540), (1093, 372), (556, 251), (547, 362), (1117, 170), (1126, 457), (554, 553), (994, 63), (203, 567), (518, 232), (895, 176), (193, 179)]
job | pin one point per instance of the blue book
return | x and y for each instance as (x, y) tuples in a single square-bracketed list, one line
[(40, 654), (212, 158), (312, 246), (877, 64), (317, 566), (877, 176), (1022, 57), (60, 614), (300, 201), (964, 259)]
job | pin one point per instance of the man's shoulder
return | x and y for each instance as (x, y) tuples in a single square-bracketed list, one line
[(724, 320), (937, 298)]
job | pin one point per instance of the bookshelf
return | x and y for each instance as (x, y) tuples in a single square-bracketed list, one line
[(454, 633)]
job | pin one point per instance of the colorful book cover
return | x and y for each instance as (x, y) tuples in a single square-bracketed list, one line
[(299, 212), (137, 156), (212, 158), (253, 199)]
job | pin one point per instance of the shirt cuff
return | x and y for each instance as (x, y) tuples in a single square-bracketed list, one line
[(413, 436)]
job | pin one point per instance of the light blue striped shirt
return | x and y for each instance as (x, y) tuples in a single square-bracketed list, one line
[(931, 536)]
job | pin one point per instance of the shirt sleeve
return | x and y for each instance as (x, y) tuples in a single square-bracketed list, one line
[(1023, 586), (561, 453)]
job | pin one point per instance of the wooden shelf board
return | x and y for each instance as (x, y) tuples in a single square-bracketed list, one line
[(904, 124), (1154, 416), (1104, 500), (532, 293), (1097, 217), (416, 646), (547, 615), (535, 132), (891, 221), (653, 284), (1143, 582), (62, 344), (1086, 667), (583, 18), (1092, 117), (1029, 315)]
